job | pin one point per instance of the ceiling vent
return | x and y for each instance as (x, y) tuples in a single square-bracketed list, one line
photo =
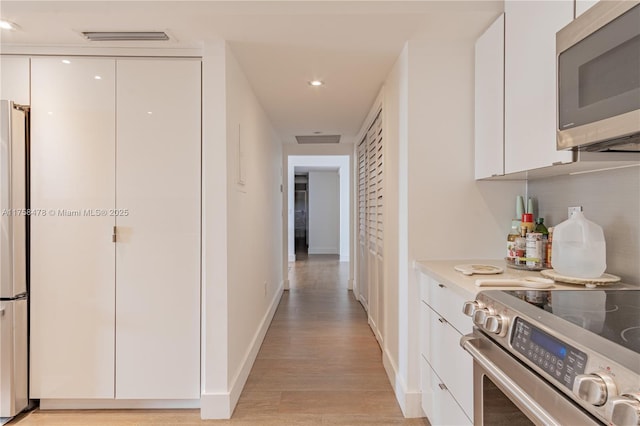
[(125, 35), (318, 139)]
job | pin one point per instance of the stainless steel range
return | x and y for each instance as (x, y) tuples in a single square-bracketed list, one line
[(566, 357)]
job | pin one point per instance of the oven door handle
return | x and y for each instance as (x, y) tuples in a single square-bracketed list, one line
[(499, 377)]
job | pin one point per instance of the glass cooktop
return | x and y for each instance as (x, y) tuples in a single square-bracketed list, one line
[(612, 314)]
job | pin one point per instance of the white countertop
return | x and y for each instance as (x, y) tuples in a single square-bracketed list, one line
[(464, 285)]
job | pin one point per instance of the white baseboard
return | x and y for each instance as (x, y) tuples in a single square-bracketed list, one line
[(292, 258), (215, 406), (364, 303), (221, 405), (350, 284), (376, 331), (410, 402), (323, 250), (115, 404)]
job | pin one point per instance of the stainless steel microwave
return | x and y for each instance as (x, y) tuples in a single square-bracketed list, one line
[(598, 65)]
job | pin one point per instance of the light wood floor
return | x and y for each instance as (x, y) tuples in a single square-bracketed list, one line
[(319, 365)]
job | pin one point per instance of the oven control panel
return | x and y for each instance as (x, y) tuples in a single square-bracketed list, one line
[(556, 358)]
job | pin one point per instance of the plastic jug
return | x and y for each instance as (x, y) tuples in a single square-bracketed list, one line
[(579, 248)]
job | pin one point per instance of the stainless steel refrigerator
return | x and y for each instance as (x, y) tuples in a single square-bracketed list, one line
[(14, 221)]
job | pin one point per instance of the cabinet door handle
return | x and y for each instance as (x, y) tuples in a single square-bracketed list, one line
[(442, 320), (442, 286), (442, 386), (114, 236)]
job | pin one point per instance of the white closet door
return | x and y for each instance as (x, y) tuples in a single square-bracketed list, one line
[(72, 254), (158, 248)]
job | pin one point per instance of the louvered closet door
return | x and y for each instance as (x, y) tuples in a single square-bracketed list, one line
[(363, 251), (370, 213)]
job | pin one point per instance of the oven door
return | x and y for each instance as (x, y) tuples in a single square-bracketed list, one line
[(506, 392)]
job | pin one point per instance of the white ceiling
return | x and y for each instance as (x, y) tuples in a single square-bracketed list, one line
[(281, 45)]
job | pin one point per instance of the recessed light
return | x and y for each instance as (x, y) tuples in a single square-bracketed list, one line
[(150, 112), (6, 25), (97, 77), (316, 83), (66, 61)]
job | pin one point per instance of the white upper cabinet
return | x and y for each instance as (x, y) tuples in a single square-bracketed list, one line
[(14, 79), (530, 83), (72, 255), (158, 249), (489, 102), (584, 5)]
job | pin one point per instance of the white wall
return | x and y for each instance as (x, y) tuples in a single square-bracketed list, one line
[(324, 212), (442, 212), (243, 229)]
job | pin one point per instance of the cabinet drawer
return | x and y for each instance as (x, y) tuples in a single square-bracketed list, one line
[(449, 305), (452, 364), (425, 328), (437, 402)]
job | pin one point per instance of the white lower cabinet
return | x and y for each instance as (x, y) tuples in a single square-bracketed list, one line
[(446, 369), (438, 402), (115, 151)]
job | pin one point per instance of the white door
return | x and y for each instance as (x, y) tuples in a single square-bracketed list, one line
[(158, 229), (72, 254)]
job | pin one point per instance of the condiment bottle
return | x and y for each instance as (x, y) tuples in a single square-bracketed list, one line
[(541, 228), (549, 246), (527, 220), (511, 241), (521, 245), (545, 244)]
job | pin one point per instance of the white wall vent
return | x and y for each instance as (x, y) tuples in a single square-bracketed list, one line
[(125, 35), (318, 139)]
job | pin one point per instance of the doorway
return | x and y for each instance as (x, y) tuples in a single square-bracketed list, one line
[(301, 209), (319, 209)]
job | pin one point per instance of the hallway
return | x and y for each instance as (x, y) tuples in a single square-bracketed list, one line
[(318, 365)]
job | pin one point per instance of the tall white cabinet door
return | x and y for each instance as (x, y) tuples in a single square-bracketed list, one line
[(158, 248), (530, 82), (72, 253), (489, 99), (14, 79)]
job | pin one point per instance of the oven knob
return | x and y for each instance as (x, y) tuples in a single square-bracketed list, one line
[(494, 323), (469, 308), (625, 410), (480, 316), (594, 388)]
